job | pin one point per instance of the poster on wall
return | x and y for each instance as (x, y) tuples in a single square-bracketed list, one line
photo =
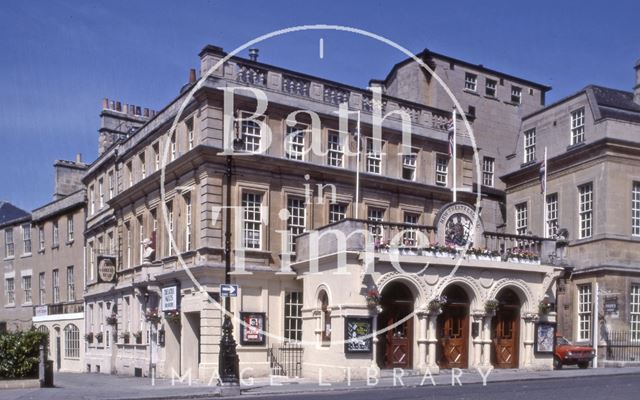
[(170, 298), (252, 329), (545, 337), (357, 335)]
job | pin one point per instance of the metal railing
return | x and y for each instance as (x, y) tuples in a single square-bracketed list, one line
[(62, 308), (623, 346), (285, 359)]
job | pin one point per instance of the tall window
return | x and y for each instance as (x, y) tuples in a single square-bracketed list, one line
[(488, 165), (127, 232), (585, 210), (130, 173), (325, 317), (470, 81), (111, 183), (293, 316), (71, 341), (375, 215), (374, 158), (56, 235), (71, 286), (174, 147), (635, 209), (490, 87), (295, 143), (171, 230), (335, 155), (100, 194), (188, 221), (41, 237), (529, 145), (70, 228), (337, 212), (56, 286), (552, 214), (634, 312), (26, 287), (577, 126), (143, 165), (251, 133), (516, 94), (10, 290), (442, 170), (42, 291), (9, 249), (296, 221), (522, 219), (26, 238), (409, 162), (190, 138), (156, 157), (251, 219), (584, 312), (92, 200), (410, 234)]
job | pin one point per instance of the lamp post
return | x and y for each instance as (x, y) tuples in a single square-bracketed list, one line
[(228, 363)]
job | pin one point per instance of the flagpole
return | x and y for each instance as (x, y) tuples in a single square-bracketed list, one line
[(357, 166), (453, 150), (544, 196)]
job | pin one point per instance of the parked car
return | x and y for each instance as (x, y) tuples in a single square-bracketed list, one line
[(567, 353)]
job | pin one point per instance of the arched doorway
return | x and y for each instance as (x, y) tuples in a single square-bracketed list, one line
[(396, 344), (505, 328), (453, 329)]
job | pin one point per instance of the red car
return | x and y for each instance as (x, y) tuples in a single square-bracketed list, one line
[(566, 353)]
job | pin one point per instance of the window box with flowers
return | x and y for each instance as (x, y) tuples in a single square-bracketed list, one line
[(435, 305), (99, 337), (112, 319), (138, 336), (491, 306), (89, 337), (446, 251), (373, 298), (152, 316), (172, 317), (125, 336), (545, 306), (429, 251)]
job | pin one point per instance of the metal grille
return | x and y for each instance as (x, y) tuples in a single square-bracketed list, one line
[(621, 346), (285, 359)]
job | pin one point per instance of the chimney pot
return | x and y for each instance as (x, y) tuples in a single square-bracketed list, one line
[(78, 158), (105, 104), (253, 54), (192, 75), (636, 88)]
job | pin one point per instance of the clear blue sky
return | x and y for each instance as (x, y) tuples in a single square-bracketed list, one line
[(58, 59)]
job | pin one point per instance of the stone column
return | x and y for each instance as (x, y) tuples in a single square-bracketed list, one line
[(423, 320), (528, 336), (486, 339), (432, 342), (477, 341), (374, 340)]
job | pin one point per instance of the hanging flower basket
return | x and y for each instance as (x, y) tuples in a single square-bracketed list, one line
[(491, 306), (544, 307), (89, 337), (99, 337), (172, 317), (112, 319), (435, 304), (373, 298), (125, 336), (152, 316)]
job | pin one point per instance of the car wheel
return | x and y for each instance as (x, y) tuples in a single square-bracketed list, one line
[(557, 364), (583, 365)]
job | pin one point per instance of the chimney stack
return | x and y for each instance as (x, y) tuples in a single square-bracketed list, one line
[(192, 75), (636, 88), (253, 54), (78, 158)]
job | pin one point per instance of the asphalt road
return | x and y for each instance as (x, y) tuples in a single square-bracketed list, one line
[(620, 387)]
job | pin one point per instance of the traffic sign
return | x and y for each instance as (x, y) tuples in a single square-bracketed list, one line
[(228, 290)]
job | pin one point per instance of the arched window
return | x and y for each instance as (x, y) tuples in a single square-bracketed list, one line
[(325, 317), (71, 341), (44, 329)]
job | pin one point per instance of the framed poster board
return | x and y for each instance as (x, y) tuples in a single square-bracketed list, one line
[(252, 329), (545, 337), (355, 328)]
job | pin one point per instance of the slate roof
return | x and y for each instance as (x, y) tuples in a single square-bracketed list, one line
[(10, 213), (616, 104)]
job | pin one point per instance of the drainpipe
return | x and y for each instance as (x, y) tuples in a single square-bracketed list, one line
[(596, 325)]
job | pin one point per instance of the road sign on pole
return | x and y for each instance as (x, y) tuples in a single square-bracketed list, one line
[(227, 290)]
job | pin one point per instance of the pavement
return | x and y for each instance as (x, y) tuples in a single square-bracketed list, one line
[(111, 387)]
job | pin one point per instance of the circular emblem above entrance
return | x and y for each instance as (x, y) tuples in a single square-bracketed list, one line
[(455, 225)]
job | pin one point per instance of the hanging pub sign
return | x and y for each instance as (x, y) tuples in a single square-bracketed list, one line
[(106, 269), (611, 304), (545, 337), (170, 298), (252, 328), (358, 335)]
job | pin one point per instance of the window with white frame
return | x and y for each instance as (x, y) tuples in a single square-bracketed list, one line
[(634, 312), (337, 212), (141, 237), (143, 165), (552, 214), (156, 156), (373, 157), (294, 149), (190, 134), (130, 173), (488, 166), (375, 215), (529, 145), (55, 234), (293, 316), (251, 135), (71, 285), (516, 94), (92, 200), (335, 154), (170, 233), (174, 146), (584, 312), (71, 341), (56, 285), (26, 238), (100, 194), (251, 220), (577, 126), (296, 221), (470, 81), (522, 219), (10, 290), (41, 238), (111, 184), (70, 228), (128, 254), (490, 87), (9, 247), (442, 170), (188, 222), (26, 288), (410, 233), (42, 291), (409, 163), (585, 210), (635, 209)]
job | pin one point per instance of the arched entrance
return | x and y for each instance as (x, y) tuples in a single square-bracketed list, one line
[(453, 329), (396, 345), (505, 328)]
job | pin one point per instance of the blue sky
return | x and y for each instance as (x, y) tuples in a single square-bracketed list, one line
[(58, 59)]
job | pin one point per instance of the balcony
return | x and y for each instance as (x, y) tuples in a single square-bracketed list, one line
[(58, 309)]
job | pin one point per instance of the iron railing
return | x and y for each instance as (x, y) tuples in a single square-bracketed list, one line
[(285, 359), (623, 346)]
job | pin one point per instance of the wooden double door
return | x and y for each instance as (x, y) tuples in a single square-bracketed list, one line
[(453, 335), (505, 341), (398, 341)]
